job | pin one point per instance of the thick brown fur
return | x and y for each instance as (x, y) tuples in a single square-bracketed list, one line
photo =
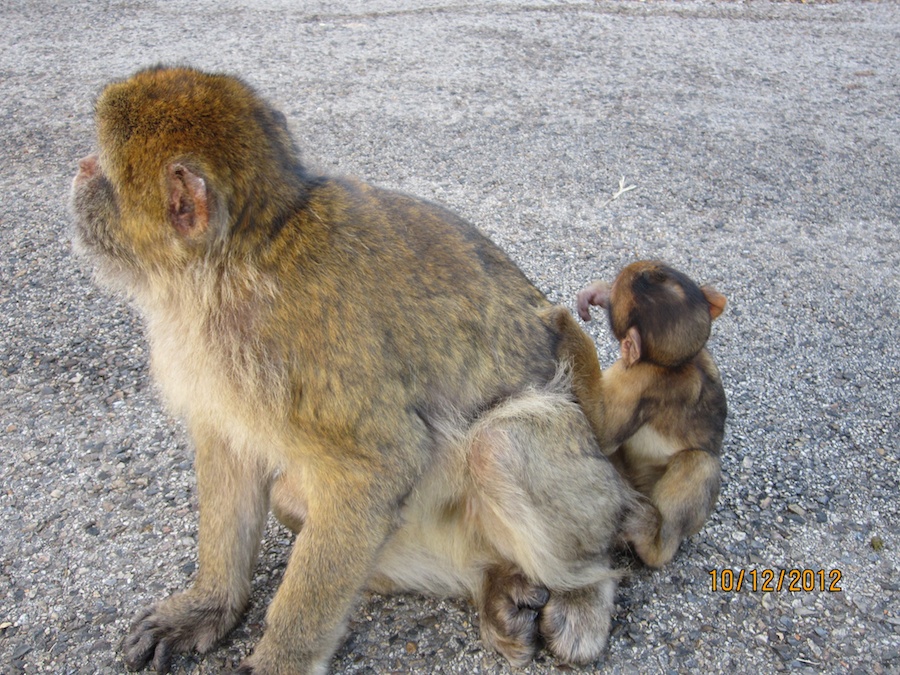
[(359, 360), (659, 411)]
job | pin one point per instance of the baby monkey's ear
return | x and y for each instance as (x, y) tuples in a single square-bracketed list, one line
[(715, 299), (188, 200), (630, 347)]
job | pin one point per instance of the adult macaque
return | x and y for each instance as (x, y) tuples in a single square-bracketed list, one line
[(358, 358), (659, 411)]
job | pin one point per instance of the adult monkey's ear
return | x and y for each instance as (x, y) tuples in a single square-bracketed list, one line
[(188, 208)]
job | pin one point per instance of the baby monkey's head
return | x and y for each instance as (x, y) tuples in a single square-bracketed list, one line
[(663, 311)]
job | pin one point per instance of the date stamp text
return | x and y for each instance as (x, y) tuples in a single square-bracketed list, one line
[(775, 581)]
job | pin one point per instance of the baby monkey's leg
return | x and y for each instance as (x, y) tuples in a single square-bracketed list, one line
[(680, 502)]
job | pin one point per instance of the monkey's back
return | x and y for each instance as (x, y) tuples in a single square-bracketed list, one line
[(403, 294), (687, 411)]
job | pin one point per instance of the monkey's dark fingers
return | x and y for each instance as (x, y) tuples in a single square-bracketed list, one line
[(584, 310), (530, 596), (513, 631), (154, 638), (193, 620), (509, 614), (162, 657), (144, 642)]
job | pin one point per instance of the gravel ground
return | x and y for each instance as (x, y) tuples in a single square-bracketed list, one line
[(764, 144)]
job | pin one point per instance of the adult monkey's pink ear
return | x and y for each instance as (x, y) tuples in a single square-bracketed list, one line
[(715, 299), (188, 200)]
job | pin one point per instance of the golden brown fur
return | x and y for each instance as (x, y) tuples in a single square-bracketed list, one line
[(361, 360), (661, 418)]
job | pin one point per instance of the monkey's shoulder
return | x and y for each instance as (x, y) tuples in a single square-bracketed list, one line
[(686, 386), (350, 202), (379, 239)]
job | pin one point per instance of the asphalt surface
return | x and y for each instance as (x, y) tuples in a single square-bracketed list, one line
[(764, 143)]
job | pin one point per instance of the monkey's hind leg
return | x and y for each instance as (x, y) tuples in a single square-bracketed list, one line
[(680, 502), (575, 623), (549, 504)]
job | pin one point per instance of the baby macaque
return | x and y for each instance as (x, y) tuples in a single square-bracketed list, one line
[(659, 411)]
